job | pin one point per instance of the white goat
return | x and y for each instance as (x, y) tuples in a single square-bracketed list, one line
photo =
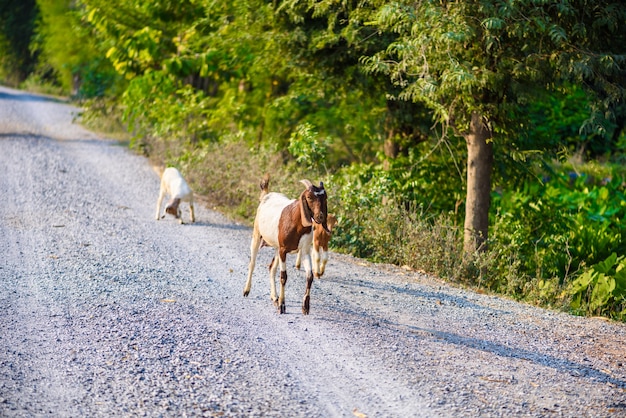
[(174, 185), (286, 225)]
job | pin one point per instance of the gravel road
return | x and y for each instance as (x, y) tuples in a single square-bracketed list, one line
[(106, 312)]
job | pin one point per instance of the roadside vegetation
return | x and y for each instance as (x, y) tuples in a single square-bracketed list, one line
[(480, 141)]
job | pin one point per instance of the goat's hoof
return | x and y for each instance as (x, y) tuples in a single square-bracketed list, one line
[(246, 293), (305, 306), (282, 309)]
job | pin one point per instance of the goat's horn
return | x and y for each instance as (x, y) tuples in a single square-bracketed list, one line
[(307, 183), (321, 185)]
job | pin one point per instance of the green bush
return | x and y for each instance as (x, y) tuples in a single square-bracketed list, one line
[(306, 147), (601, 289), (375, 224), (554, 231)]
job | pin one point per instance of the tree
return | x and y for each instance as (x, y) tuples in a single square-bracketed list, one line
[(17, 24), (68, 50), (475, 62)]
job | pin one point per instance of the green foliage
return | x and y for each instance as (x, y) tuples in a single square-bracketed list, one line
[(139, 35), (373, 225), (601, 289), (17, 26), (412, 176), (68, 54), (559, 227), (356, 190), (557, 121), (490, 56), (306, 148), (157, 105)]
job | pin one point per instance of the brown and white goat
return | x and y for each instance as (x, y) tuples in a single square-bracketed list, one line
[(174, 185), (287, 226), (319, 249)]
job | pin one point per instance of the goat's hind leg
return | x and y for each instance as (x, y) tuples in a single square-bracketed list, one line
[(273, 266), (192, 213)]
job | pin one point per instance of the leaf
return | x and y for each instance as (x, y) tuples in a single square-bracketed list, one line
[(493, 23), (110, 52), (557, 34), (620, 279), (603, 194), (601, 292), (582, 282), (92, 15), (607, 265)]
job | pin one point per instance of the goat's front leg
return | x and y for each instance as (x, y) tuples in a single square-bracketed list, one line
[(309, 282), (254, 249), (323, 262), (282, 261), (158, 205), (298, 259), (315, 260)]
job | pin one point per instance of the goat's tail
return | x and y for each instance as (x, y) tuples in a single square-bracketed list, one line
[(265, 185)]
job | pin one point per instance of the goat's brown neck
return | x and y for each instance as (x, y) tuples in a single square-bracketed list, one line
[(291, 228)]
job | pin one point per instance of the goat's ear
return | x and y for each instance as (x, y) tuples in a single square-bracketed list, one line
[(306, 214), (307, 183), (332, 221)]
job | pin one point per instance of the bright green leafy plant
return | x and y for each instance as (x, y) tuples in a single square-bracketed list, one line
[(601, 289)]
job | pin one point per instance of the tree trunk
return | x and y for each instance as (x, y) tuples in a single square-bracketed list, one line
[(478, 199), (391, 150)]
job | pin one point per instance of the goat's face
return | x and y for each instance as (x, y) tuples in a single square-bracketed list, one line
[(314, 203), (172, 208)]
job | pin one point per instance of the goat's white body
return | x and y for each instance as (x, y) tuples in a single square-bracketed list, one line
[(268, 215), (174, 185)]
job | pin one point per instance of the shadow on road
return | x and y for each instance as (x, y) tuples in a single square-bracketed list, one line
[(28, 97)]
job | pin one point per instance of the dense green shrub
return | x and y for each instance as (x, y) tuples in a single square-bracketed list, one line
[(375, 223), (559, 227), (601, 289)]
